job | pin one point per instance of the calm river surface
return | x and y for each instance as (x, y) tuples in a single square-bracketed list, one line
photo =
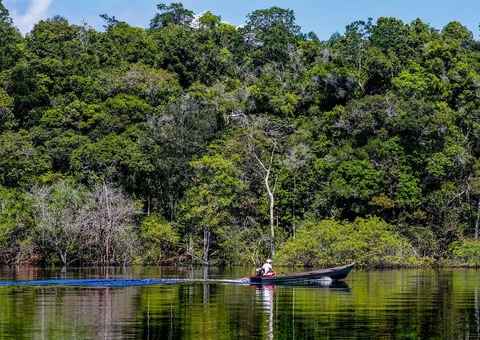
[(393, 304)]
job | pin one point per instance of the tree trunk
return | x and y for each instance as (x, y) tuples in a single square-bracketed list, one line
[(63, 257), (206, 245), (477, 221), (108, 224), (267, 168), (272, 221), (271, 196)]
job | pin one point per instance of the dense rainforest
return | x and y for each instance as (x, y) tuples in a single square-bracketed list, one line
[(197, 142)]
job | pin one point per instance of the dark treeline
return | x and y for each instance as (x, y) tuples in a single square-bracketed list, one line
[(194, 141)]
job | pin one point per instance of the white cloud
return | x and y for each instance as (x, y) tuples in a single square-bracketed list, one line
[(36, 11)]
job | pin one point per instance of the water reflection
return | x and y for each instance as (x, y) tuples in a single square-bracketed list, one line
[(286, 294), (396, 304), (266, 294)]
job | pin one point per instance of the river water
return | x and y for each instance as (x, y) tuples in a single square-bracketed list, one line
[(387, 304)]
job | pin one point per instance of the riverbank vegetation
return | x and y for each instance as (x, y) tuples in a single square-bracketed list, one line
[(197, 142)]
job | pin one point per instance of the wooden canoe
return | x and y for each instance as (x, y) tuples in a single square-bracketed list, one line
[(334, 273)]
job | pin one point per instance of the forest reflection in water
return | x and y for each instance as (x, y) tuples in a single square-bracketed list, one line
[(389, 304)]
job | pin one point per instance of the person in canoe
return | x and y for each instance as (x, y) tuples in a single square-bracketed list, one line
[(266, 269)]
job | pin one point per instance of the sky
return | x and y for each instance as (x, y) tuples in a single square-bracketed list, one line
[(320, 16)]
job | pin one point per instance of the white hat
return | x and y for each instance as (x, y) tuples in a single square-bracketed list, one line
[(269, 261)]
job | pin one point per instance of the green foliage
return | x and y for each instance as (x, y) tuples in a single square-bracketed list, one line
[(416, 82), (423, 241), (7, 119), (408, 192), (269, 32), (60, 149), (355, 182), (29, 90), (113, 158), (156, 87), (122, 43), (174, 14), (10, 41), (369, 242), (209, 202), (20, 162), (209, 20), (457, 32), (15, 225), (465, 253), (159, 240), (241, 246), (230, 137), (53, 38)]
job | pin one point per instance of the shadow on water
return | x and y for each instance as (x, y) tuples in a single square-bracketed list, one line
[(321, 284)]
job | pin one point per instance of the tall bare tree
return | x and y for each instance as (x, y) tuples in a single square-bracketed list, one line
[(264, 139)]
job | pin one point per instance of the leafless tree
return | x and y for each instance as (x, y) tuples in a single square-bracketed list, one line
[(108, 225), (57, 213), (264, 139), (78, 224)]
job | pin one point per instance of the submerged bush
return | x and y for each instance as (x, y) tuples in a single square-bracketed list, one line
[(465, 253), (369, 242)]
